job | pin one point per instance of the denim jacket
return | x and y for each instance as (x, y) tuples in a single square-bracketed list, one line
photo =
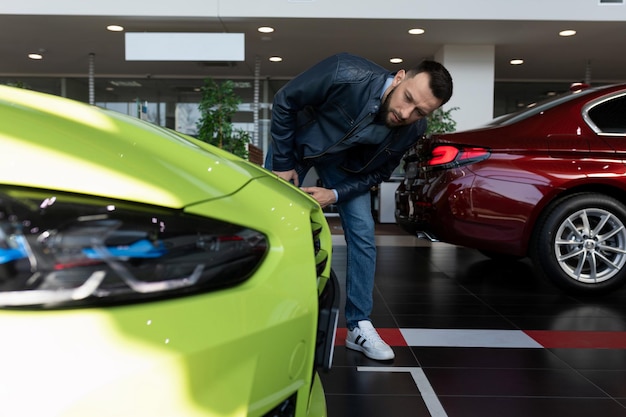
[(317, 111)]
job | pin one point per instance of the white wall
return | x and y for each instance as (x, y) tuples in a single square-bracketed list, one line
[(560, 10), (426, 9), (472, 70), (112, 7)]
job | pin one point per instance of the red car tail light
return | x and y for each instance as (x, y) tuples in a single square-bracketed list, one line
[(448, 156)]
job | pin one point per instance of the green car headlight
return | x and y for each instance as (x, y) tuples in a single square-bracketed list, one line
[(62, 250)]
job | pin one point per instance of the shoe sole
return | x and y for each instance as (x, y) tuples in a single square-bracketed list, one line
[(359, 348)]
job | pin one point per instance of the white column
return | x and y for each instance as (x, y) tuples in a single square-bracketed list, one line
[(472, 70)]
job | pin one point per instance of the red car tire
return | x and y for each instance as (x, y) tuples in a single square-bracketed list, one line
[(581, 244)]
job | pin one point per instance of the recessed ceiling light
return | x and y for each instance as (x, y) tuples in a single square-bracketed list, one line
[(516, 61), (115, 28), (416, 31), (568, 32), (266, 29), (125, 83), (35, 56), (395, 60), (275, 59)]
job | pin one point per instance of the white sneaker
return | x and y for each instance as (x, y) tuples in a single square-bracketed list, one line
[(365, 338)]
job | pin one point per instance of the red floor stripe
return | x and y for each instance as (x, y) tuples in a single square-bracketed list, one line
[(579, 339), (393, 337)]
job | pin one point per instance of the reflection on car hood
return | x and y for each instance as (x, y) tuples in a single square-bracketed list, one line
[(59, 144)]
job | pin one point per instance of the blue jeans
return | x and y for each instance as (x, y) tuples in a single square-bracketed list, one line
[(358, 226)]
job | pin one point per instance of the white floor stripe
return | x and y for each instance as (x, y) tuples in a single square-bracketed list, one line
[(423, 385), (469, 338)]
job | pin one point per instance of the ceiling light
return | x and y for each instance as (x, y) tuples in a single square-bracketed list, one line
[(568, 32), (266, 29), (416, 31), (126, 83), (577, 87), (275, 59), (395, 60), (516, 61), (115, 28), (35, 56)]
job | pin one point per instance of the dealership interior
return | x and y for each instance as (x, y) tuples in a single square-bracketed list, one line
[(472, 336)]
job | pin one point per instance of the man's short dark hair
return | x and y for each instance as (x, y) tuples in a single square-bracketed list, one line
[(440, 79)]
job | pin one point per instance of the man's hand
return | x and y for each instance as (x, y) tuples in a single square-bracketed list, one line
[(289, 176), (324, 196)]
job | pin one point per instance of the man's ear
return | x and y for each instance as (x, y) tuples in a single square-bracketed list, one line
[(399, 77)]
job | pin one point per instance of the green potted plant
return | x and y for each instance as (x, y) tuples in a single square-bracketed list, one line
[(217, 106), (440, 121)]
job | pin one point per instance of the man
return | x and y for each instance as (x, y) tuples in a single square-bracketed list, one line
[(352, 121)]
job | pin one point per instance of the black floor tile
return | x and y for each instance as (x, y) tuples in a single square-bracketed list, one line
[(598, 359), (489, 358), (531, 407), (345, 357), (442, 309), (427, 295), (570, 322), (486, 382), (453, 322), (350, 381), (610, 381), (375, 406)]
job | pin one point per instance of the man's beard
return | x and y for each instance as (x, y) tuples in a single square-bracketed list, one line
[(385, 111)]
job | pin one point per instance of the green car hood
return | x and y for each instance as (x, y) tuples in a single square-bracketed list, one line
[(59, 144)]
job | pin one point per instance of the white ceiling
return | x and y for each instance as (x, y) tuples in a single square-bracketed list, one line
[(598, 50)]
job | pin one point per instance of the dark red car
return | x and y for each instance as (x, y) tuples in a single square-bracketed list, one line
[(548, 182)]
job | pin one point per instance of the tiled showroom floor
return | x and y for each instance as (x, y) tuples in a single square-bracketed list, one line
[(476, 338)]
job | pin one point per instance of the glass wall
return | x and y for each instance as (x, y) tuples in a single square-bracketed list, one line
[(173, 103), (510, 97)]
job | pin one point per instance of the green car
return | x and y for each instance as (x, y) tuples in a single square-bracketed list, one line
[(145, 273)]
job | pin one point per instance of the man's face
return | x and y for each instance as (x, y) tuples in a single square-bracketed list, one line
[(408, 99)]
